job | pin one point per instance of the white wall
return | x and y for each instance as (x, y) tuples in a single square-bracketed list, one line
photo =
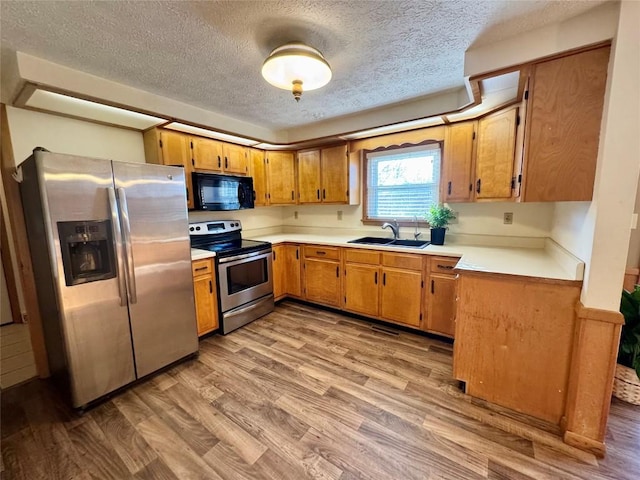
[(31, 129), (529, 220), (633, 256), (618, 168), (572, 227)]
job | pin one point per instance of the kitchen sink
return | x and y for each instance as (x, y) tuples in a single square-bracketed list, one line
[(390, 242)]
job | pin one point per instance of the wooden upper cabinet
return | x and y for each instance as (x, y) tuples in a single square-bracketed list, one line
[(207, 154), (323, 175), (258, 171), (496, 156), (309, 180), (235, 159), (459, 142), (335, 174), (566, 98), (282, 178), (166, 147)]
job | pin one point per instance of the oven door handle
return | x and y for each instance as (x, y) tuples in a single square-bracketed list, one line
[(244, 256)]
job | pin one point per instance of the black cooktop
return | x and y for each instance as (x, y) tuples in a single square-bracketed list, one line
[(233, 247)]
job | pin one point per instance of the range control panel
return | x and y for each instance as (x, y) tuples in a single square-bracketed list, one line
[(210, 228)]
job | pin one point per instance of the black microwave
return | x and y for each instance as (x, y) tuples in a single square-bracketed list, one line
[(222, 192)]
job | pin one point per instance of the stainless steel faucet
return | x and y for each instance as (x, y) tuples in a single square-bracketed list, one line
[(416, 233), (395, 228)]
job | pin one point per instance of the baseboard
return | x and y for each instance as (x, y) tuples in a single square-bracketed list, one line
[(599, 449)]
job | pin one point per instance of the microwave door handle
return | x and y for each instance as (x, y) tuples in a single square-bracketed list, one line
[(126, 231), (117, 238)]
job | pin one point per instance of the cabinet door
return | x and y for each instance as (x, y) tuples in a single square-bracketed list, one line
[(175, 149), (207, 154), (457, 180), (235, 159), (495, 157), (566, 98), (309, 181), (335, 174), (322, 281), (279, 271), (206, 303), (258, 166), (282, 178), (442, 304), (401, 296), (361, 288), (292, 284)]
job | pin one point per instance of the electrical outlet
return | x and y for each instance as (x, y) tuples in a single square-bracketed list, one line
[(508, 218), (454, 220), (295, 214), (339, 214)]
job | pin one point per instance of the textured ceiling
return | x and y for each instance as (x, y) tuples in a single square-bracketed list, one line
[(209, 54)]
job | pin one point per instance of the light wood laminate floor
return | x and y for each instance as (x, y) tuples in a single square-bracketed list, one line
[(301, 393)]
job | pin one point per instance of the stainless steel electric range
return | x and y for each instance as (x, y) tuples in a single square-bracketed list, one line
[(244, 271)]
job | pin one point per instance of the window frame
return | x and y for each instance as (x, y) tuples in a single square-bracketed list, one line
[(366, 220)]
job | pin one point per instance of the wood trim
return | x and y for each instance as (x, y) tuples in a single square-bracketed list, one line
[(21, 245), (595, 350), (631, 278), (9, 273)]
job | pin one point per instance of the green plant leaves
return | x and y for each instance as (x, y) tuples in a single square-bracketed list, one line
[(439, 216), (629, 351)]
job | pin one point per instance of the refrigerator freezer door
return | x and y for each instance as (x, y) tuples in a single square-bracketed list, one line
[(158, 255), (93, 323)]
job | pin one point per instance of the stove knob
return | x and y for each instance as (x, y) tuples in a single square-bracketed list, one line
[(191, 229), (198, 228)]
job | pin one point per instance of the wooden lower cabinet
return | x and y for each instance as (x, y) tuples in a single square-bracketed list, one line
[(440, 296), (400, 297), (206, 297), (322, 275), (286, 271), (361, 293)]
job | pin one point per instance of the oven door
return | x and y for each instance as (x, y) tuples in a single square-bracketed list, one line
[(244, 278)]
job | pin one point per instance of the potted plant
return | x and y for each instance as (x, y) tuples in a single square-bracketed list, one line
[(626, 385), (439, 217)]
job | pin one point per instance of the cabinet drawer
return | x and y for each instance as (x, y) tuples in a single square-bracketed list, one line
[(202, 267), (361, 256), (332, 253), (400, 260), (442, 264)]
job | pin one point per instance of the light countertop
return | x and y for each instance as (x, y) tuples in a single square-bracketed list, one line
[(198, 254), (550, 262)]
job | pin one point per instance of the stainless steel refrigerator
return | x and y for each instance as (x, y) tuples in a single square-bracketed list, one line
[(111, 256)]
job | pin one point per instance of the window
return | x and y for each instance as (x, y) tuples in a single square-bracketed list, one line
[(402, 182)]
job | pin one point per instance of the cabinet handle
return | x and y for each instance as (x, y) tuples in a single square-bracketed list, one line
[(201, 268), (274, 255), (375, 278), (318, 252), (384, 279), (449, 189), (210, 287), (226, 163), (446, 267), (338, 272), (318, 193), (297, 254), (219, 163), (292, 195), (324, 193), (478, 186), (432, 286)]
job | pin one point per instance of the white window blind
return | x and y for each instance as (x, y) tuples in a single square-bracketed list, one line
[(403, 182)]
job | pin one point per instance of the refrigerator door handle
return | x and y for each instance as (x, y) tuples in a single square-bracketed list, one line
[(126, 235), (117, 237)]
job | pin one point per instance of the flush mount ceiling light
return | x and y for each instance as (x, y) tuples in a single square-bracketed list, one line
[(295, 66)]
